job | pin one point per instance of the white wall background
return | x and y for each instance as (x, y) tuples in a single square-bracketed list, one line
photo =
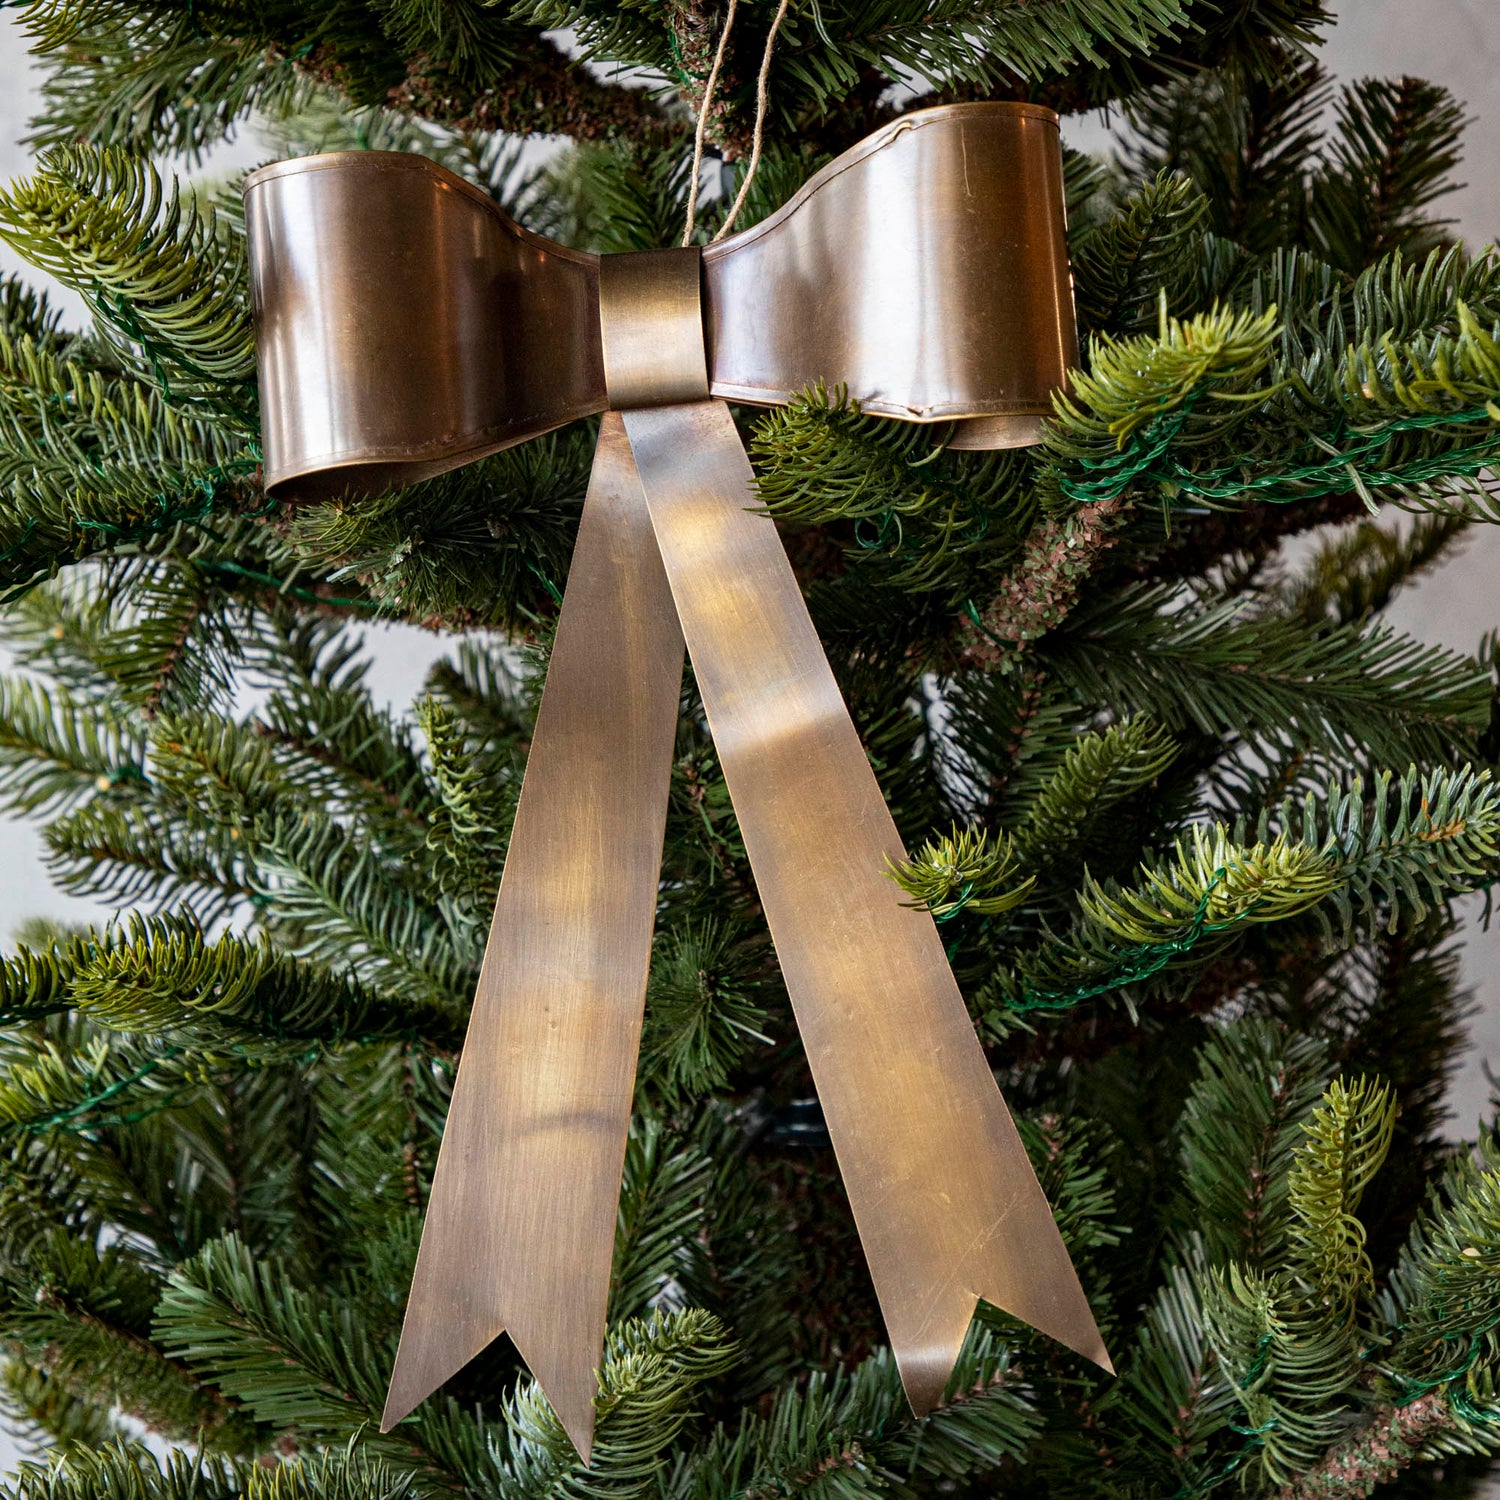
[(1454, 42)]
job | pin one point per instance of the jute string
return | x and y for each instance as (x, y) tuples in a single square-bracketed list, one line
[(762, 97)]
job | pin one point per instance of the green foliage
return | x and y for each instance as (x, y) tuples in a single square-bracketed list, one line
[(958, 43), (155, 269), (1098, 771), (1354, 575), (650, 1376), (1441, 1310), (616, 196), (1212, 885), (820, 460), (303, 1358), (468, 831), (84, 1315), (1415, 838), (954, 43), (703, 1011), (161, 979), (848, 1435), (1152, 244), (1216, 357), (54, 750), (1374, 863), (143, 78), (1408, 419), (1288, 1337), (661, 1220), (333, 1475), (1246, 137), (38, 1403), (94, 458), (1176, 1398), (1239, 1131), (485, 545), (1347, 1142), (1142, 760), (1397, 143), (124, 1472), (1223, 666), (337, 901), (963, 871)]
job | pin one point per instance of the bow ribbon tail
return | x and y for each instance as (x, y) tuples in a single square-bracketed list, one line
[(520, 1227), (947, 1205)]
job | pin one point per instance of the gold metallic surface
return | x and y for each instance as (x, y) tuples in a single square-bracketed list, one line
[(520, 1224), (651, 327), (404, 326), (947, 1205), (1019, 431), (407, 326), (926, 269)]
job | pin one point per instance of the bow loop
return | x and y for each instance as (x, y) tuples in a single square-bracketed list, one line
[(406, 326)]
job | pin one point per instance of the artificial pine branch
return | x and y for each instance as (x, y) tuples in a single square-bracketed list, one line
[(124, 1471), (169, 978), (1151, 244), (38, 1403), (1055, 562), (494, 74), (1396, 145), (543, 92), (127, 1472), (154, 267), (1391, 1440), (301, 1358), (1142, 774)]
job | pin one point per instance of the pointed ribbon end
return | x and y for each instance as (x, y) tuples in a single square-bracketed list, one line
[(1028, 1275), (420, 1371), (1097, 1353), (583, 1441), (568, 1379), (1074, 1327), (926, 1352), (429, 1355), (927, 1365), (925, 1388), (576, 1416), (400, 1402)]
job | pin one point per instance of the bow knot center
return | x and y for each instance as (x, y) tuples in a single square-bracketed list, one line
[(651, 327)]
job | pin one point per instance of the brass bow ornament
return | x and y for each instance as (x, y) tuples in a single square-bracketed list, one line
[(405, 327)]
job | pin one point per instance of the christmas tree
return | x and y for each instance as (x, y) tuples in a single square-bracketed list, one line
[(1191, 816)]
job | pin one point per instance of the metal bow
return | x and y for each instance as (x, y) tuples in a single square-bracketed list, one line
[(406, 326)]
